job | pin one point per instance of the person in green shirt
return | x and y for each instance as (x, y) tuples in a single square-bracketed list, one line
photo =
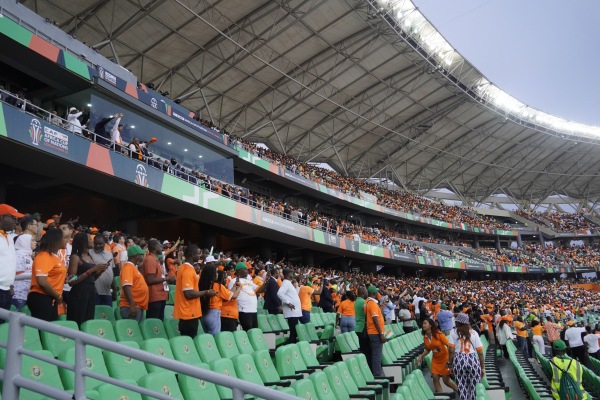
[(361, 328)]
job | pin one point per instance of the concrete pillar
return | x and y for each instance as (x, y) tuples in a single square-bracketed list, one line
[(498, 243), (475, 242), (542, 241), (519, 241)]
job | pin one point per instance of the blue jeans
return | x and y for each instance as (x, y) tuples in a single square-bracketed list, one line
[(376, 354), (211, 321), (125, 313), (347, 324), (104, 300)]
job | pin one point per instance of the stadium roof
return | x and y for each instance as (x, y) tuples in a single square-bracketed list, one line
[(371, 89)]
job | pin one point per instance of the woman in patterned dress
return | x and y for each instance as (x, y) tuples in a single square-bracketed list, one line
[(466, 359)]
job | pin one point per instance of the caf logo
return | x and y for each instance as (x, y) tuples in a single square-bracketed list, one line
[(101, 72), (141, 176), (35, 131), (154, 103)]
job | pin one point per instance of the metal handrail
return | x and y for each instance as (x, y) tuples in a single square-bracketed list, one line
[(13, 381)]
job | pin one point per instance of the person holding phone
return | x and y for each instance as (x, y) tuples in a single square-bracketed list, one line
[(81, 276), (105, 285)]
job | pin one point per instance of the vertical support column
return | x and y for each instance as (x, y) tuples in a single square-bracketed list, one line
[(542, 241), (237, 394), (475, 242), (519, 241), (80, 361), (14, 359), (498, 243)]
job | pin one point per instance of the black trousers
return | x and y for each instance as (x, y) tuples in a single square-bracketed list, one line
[(189, 327), (42, 306), (292, 322), (228, 324), (579, 353), (156, 309), (248, 320), (364, 344)]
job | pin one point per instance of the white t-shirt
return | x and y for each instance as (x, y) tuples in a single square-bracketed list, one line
[(247, 301), (573, 335), (404, 315), (460, 346), (591, 340)]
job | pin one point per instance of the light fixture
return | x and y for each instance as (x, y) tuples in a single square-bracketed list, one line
[(199, 156), (132, 126), (169, 143), (184, 149), (89, 105)]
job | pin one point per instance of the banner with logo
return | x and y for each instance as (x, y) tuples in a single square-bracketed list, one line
[(43, 136)]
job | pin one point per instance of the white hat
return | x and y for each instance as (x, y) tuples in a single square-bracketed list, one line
[(72, 109), (269, 263), (166, 241), (209, 259)]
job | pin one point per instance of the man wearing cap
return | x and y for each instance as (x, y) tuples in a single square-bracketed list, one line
[(8, 257), (375, 330), (74, 123), (561, 362), (157, 281), (134, 290), (247, 301), (573, 336)]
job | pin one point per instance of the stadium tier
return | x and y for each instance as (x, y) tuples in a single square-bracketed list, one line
[(155, 254)]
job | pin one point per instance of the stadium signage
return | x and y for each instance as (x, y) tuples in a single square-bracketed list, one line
[(48, 137)]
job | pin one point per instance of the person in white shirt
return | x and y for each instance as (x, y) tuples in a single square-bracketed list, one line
[(591, 343), (247, 301), (290, 302), (8, 256), (73, 118), (573, 337), (116, 141)]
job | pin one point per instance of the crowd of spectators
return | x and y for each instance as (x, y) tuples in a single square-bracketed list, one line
[(559, 221)]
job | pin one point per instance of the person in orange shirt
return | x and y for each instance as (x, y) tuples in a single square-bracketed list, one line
[(305, 293), (375, 330), (346, 317), (521, 335), (47, 277), (187, 296), (435, 341), (134, 290), (211, 307), (229, 309)]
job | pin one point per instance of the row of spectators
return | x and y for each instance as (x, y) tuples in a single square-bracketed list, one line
[(559, 221)]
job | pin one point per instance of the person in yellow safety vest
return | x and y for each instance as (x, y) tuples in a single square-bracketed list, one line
[(560, 363)]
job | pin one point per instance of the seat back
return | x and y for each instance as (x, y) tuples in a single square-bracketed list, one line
[(246, 369), (184, 350), (305, 389), (128, 330), (297, 359), (364, 367), (357, 374), (104, 312), (333, 374), (169, 310), (172, 327), (124, 367), (224, 366), (94, 361), (99, 327), (284, 361), (311, 329), (153, 328), (194, 388), (322, 386), (283, 322), (302, 333), (243, 342), (226, 344), (266, 368), (39, 371), (31, 340), (274, 322), (263, 324), (110, 392), (207, 348), (159, 347), (163, 382), (307, 354), (56, 344), (346, 376), (257, 339)]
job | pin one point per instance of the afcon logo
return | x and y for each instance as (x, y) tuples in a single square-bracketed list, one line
[(36, 371), (154, 103), (141, 176), (101, 72), (35, 131)]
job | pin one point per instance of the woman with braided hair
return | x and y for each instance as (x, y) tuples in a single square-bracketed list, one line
[(211, 306), (466, 359)]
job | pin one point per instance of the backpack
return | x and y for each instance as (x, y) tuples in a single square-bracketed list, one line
[(569, 389)]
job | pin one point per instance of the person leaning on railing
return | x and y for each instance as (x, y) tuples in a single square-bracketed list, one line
[(48, 277)]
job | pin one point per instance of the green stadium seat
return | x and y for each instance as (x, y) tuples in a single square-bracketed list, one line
[(323, 386), (207, 347), (297, 360), (163, 382), (110, 392), (305, 389), (104, 312), (194, 388), (224, 366), (243, 342), (184, 350), (94, 361), (57, 344), (257, 339), (306, 351), (247, 370), (172, 327), (123, 367), (153, 328), (102, 328), (39, 371), (226, 344), (169, 310), (31, 339), (117, 313), (128, 330), (266, 369), (349, 383), (285, 363), (157, 346)]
